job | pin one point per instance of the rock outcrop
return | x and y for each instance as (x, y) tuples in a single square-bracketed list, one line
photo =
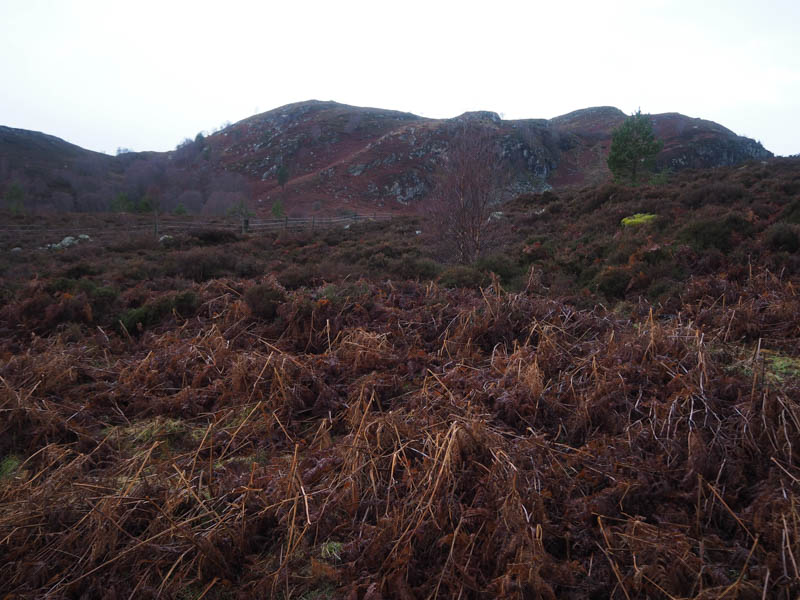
[(378, 158), (341, 157)]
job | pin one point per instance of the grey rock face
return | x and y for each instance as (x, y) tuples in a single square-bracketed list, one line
[(356, 170), (479, 115), (715, 153), (68, 242), (407, 188)]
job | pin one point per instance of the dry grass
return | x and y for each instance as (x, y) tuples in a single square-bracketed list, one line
[(408, 442)]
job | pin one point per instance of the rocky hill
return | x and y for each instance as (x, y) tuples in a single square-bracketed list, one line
[(385, 159), (341, 157)]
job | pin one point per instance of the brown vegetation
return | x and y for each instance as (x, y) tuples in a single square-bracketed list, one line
[(468, 189), (620, 421), (406, 441)]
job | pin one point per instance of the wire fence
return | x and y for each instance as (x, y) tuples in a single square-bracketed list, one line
[(109, 227), (308, 222)]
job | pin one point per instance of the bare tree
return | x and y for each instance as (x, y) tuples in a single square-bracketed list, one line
[(468, 187), (144, 173), (226, 192)]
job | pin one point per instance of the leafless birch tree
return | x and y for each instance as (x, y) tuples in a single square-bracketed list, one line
[(468, 187)]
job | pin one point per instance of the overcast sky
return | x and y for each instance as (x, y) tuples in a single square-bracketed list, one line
[(145, 74)]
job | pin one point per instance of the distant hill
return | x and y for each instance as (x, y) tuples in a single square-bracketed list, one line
[(378, 158), (53, 173), (33, 151), (341, 157)]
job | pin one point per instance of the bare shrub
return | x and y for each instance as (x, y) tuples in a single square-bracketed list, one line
[(468, 188)]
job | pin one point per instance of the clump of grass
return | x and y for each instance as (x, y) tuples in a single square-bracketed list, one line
[(213, 237), (501, 265), (638, 219), (8, 466), (332, 550), (339, 294), (82, 270), (716, 233), (61, 284), (613, 281), (781, 367), (104, 296), (713, 193), (322, 592), (202, 264), (152, 313), (413, 268), (297, 276), (782, 237), (462, 276), (792, 211), (777, 367), (263, 300)]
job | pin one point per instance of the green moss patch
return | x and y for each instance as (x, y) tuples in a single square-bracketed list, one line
[(638, 219), (8, 466)]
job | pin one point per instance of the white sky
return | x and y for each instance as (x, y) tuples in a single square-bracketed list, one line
[(146, 74)]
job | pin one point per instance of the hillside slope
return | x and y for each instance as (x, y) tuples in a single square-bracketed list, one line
[(342, 157), (386, 159), (53, 172)]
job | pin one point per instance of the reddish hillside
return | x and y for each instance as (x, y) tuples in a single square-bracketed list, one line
[(345, 158), (368, 159), (688, 143)]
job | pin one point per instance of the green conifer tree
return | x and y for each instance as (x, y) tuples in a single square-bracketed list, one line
[(634, 148), (15, 199), (283, 176), (278, 211)]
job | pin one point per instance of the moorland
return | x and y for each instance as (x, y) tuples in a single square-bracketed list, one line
[(606, 404)]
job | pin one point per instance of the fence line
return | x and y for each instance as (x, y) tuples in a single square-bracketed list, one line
[(173, 225)]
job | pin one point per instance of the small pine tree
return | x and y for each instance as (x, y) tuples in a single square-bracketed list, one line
[(277, 209), (634, 148), (15, 199), (240, 210), (145, 204), (121, 203), (283, 176)]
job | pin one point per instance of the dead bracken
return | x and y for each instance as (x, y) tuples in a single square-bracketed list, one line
[(407, 441), (587, 411)]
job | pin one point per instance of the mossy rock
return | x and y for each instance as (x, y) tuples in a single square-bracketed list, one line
[(639, 219)]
